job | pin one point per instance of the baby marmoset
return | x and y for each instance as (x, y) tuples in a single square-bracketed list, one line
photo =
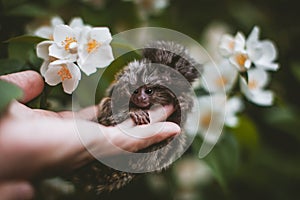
[(161, 77)]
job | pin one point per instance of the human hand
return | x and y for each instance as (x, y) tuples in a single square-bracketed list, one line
[(38, 143)]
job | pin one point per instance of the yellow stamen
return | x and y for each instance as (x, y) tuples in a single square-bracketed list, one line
[(64, 73), (92, 45), (241, 59), (205, 120), (252, 84), (51, 37), (221, 81), (231, 45), (68, 41)]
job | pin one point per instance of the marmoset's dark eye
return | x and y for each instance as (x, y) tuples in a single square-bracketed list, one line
[(136, 91), (148, 91)]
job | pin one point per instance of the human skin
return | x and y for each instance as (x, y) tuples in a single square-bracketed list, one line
[(35, 143)]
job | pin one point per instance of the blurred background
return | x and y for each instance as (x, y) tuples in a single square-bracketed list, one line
[(258, 159)]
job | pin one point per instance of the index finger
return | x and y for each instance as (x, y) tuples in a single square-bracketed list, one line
[(29, 81), (157, 114)]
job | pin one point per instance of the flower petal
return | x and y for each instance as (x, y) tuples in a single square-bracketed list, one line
[(269, 49), (100, 58), (101, 34), (42, 49), (226, 45), (61, 32), (231, 121), (259, 76), (263, 97), (219, 79), (258, 96), (70, 85), (253, 37), (51, 75), (56, 21), (269, 54), (239, 44), (233, 105), (44, 32), (76, 22), (58, 52), (44, 67)]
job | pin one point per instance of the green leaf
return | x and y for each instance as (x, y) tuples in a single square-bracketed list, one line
[(296, 70), (26, 39), (246, 134), (224, 159), (8, 92), (284, 118), (8, 66), (7, 4), (121, 47), (28, 10), (22, 49)]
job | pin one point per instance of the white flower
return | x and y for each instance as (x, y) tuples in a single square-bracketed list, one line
[(77, 25), (233, 106), (219, 78), (215, 112), (151, 5), (76, 22), (66, 73), (65, 45), (212, 116), (72, 48), (146, 7), (47, 31), (42, 51), (95, 50), (213, 37), (240, 60), (234, 48), (229, 45), (243, 53), (262, 53), (254, 89), (190, 172)]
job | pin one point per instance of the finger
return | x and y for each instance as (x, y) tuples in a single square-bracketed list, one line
[(157, 114), (139, 137), (29, 81), (89, 113), (155, 133), (16, 191), (160, 113)]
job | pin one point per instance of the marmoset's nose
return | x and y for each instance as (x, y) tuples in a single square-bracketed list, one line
[(142, 96)]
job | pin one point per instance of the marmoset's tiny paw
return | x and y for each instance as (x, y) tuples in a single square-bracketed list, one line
[(140, 117)]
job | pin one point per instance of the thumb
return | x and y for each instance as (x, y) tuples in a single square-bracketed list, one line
[(29, 81), (16, 191)]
